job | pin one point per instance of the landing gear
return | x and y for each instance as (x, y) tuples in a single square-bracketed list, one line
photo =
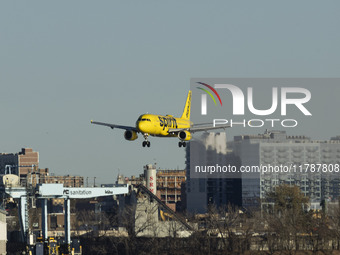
[(180, 144), (146, 143)]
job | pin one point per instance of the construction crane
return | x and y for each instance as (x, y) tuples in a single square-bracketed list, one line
[(47, 191), (10, 179)]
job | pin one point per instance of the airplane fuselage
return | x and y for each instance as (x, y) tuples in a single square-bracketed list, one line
[(158, 125)]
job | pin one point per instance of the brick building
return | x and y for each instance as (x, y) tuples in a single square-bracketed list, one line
[(26, 157), (169, 184)]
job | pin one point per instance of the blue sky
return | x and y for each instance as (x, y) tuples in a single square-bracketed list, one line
[(67, 62)]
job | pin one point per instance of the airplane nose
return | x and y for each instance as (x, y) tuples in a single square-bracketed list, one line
[(140, 126)]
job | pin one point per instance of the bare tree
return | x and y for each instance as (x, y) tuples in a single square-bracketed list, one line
[(334, 224), (141, 230), (287, 220), (85, 221)]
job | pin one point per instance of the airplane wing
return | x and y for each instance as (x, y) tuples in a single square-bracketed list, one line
[(115, 126), (199, 127)]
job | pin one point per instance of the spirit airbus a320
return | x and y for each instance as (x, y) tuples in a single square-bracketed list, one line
[(163, 126)]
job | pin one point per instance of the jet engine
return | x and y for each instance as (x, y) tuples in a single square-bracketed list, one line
[(130, 135), (184, 135)]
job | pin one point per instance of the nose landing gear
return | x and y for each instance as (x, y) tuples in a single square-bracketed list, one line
[(146, 142)]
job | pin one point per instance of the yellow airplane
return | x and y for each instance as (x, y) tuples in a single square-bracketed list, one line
[(163, 126)]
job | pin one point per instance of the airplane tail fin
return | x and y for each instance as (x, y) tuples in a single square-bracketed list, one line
[(186, 111)]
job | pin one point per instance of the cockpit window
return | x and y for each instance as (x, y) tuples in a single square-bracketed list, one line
[(144, 119)]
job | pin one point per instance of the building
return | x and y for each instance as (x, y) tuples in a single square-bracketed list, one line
[(67, 180), (27, 159), (133, 180), (169, 187), (169, 184), (203, 189), (25, 164), (3, 231), (298, 155), (149, 216)]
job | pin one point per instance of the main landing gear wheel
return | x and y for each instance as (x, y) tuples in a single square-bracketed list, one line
[(146, 143), (180, 144)]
